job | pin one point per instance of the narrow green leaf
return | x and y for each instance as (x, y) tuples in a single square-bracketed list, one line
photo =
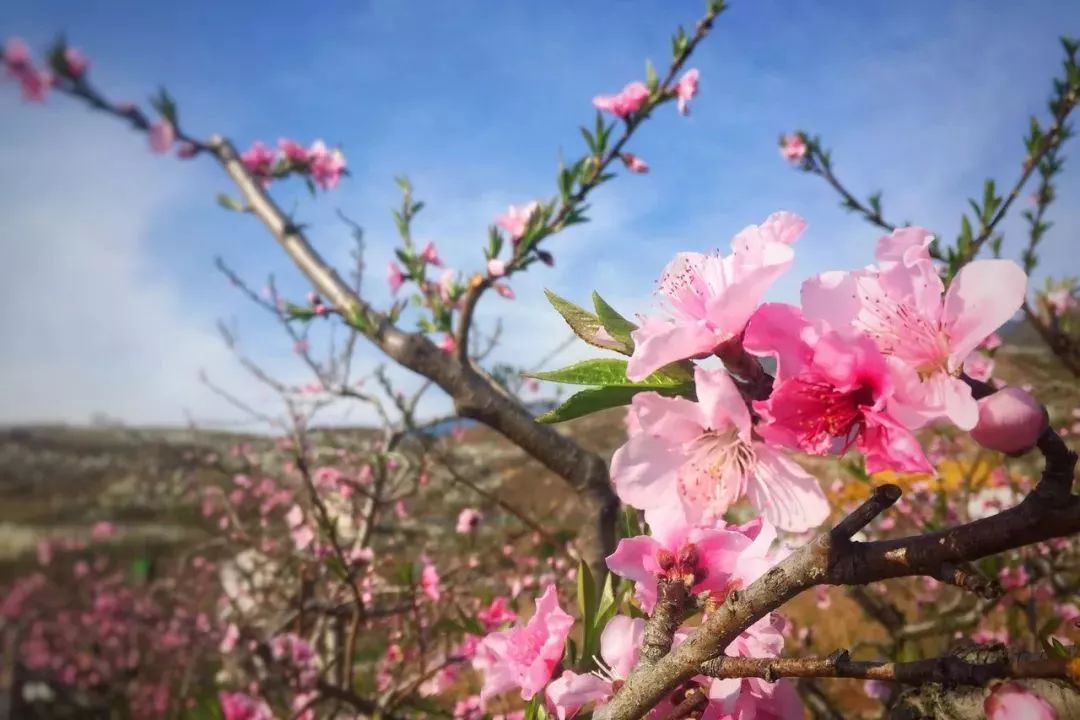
[(584, 324), (587, 605), (611, 372), (229, 203), (616, 325), (596, 399)]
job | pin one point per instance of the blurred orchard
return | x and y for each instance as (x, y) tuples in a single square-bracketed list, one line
[(860, 506)]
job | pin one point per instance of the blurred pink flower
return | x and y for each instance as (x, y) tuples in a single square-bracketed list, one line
[(76, 62), (496, 268), (516, 219), (394, 277), (793, 149), (1012, 701), (686, 89), (162, 135), (430, 254), (468, 520), (626, 102), (633, 163)]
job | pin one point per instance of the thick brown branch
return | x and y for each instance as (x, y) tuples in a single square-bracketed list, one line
[(832, 559), (671, 597)]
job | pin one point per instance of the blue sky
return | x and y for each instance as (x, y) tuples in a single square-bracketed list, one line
[(109, 293)]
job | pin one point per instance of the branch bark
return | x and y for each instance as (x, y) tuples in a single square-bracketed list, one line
[(947, 670)]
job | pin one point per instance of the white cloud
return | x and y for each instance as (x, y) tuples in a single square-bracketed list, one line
[(92, 322)]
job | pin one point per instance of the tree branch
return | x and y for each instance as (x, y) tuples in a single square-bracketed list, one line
[(832, 558), (948, 670)]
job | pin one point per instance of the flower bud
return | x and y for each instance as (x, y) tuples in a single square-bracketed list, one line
[(1010, 421)]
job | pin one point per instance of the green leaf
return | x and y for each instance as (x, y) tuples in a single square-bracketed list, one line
[(630, 526), (584, 324), (607, 607), (596, 399), (651, 80), (611, 372), (616, 325), (229, 203), (587, 602), (165, 105)]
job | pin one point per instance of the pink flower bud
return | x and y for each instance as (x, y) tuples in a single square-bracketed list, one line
[(76, 62), (162, 136), (634, 164), (1010, 421), (187, 150), (496, 268)]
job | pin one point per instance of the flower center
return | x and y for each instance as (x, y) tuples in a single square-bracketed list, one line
[(715, 475)]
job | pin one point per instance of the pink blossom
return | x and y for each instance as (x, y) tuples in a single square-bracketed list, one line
[(1012, 701), (468, 520), (1060, 301), (496, 614), (991, 343), (1010, 421), (238, 706), (685, 90), (831, 392), (430, 254), (401, 510), (301, 346), (753, 697), (448, 343), (230, 638), (625, 103), (793, 149), (293, 151), (162, 135), (187, 150), (504, 290), (702, 557), (496, 268), (327, 166), (704, 455), (877, 689), (44, 552), (35, 83), (394, 277), (103, 530), (516, 219), (429, 580), (620, 649), (634, 164), (525, 655), (709, 298), (16, 51), (926, 332), (979, 367), (259, 160), (76, 62)]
